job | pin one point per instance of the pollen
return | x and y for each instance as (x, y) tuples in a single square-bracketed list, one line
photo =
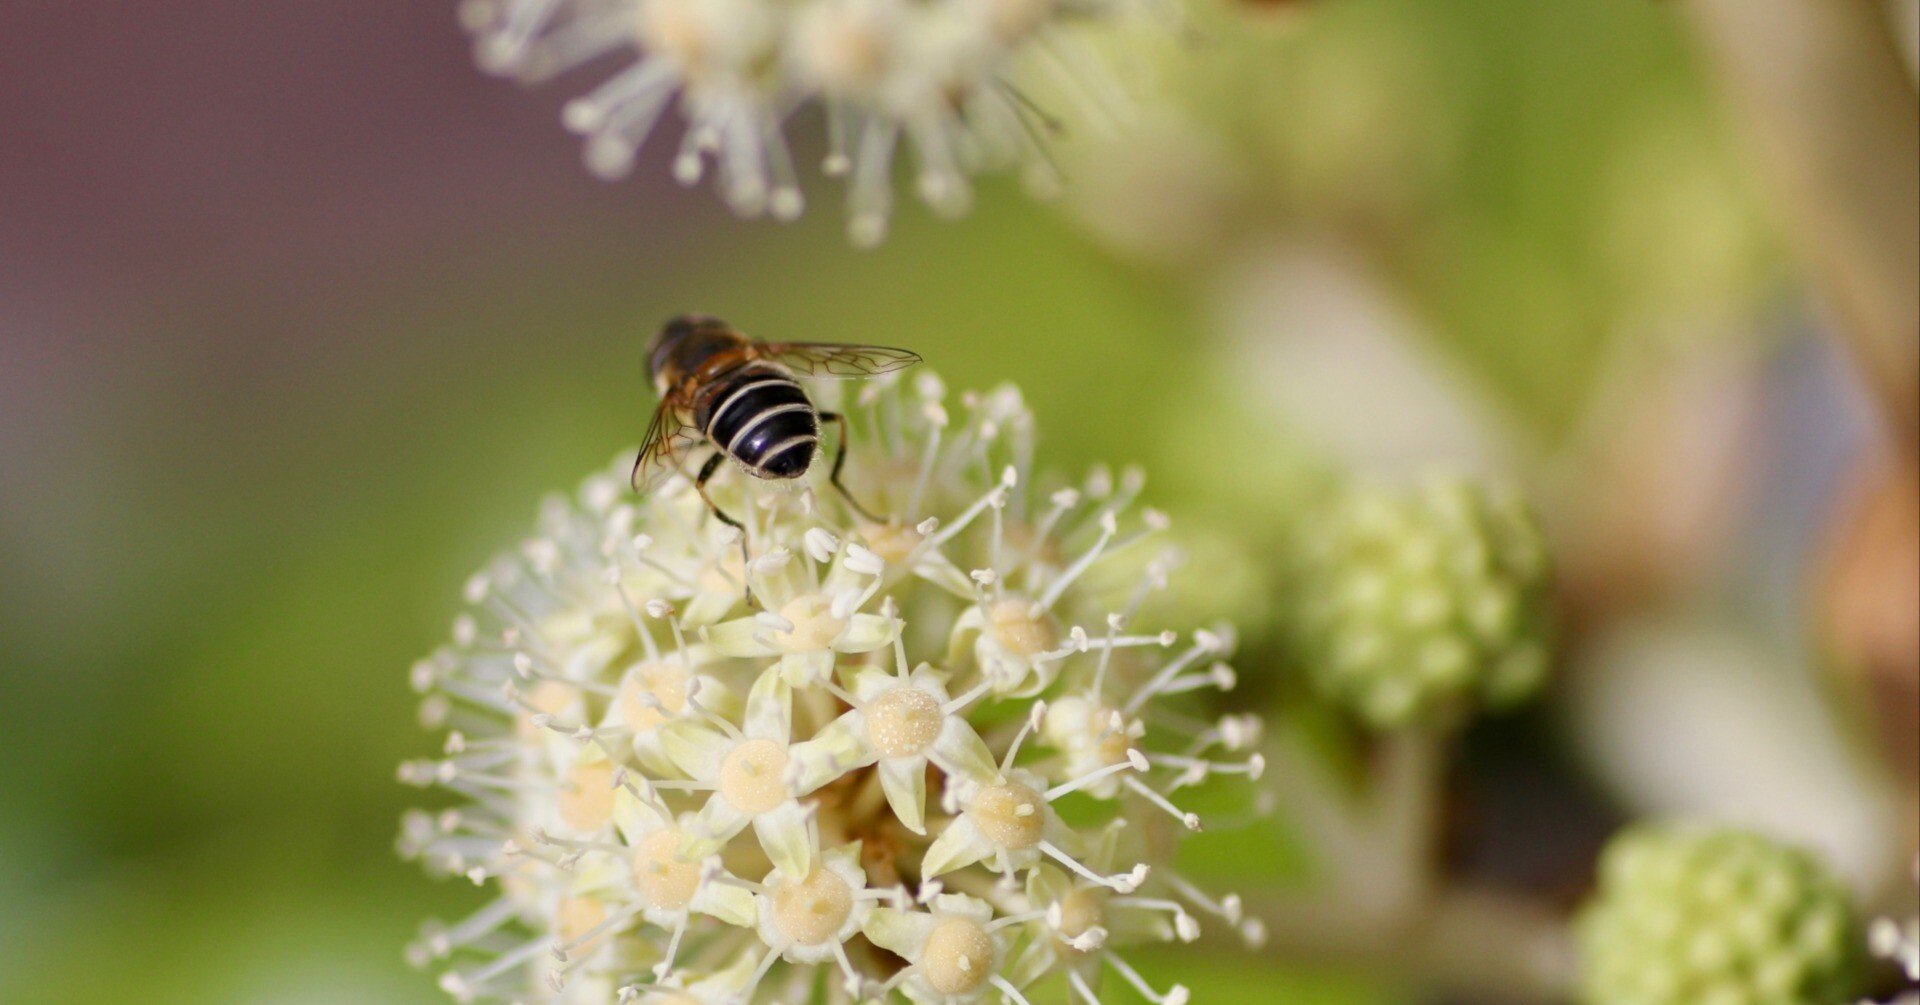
[(586, 801), (813, 910), (904, 722), (1021, 628), (1011, 816), (662, 880), (753, 776), (959, 957)]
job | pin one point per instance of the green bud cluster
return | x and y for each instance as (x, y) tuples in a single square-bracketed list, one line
[(1688, 916), (1415, 607)]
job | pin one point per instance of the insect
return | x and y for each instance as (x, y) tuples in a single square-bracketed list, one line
[(720, 389)]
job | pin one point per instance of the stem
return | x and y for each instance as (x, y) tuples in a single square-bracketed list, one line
[(1835, 119), (1381, 906), (1314, 803), (1408, 776)]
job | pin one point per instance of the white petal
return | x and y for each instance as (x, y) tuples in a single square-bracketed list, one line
[(838, 748), (634, 817), (865, 633), (869, 682), (740, 637), (960, 750), (961, 845), (715, 825), (709, 606), (807, 669), (769, 709), (905, 782), (731, 904), (695, 747), (783, 836), (903, 933), (937, 569)]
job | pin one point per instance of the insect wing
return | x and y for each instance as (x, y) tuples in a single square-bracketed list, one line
[(660, 450), (826, 359)]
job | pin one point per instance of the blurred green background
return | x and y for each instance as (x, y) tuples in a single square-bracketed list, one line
[(299, 317)]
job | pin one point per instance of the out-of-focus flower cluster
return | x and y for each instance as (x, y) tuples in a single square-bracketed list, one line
[(1415, 607), (1690, 916), (862, 784), (960, 82)]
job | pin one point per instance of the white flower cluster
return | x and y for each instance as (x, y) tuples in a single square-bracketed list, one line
[(861, 786), (950, 78)]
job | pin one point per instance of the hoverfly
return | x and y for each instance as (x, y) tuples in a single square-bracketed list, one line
[(720, 389)]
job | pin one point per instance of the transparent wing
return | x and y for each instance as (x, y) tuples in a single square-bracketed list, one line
[(660, 450), (825, 359)]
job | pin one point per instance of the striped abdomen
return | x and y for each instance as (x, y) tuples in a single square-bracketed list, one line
[(761, 418)]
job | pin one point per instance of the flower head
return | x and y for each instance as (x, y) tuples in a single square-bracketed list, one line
[(861, 783), (946, 79), (1699, 916), (1416, 607)]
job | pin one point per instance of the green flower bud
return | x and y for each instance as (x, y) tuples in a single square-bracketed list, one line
[(1414, 607), (1689, 916)]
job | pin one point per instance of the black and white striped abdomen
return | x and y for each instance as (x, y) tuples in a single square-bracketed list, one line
[(760, 417)]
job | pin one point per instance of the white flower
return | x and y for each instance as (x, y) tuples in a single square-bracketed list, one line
[(808, 618), (903, 722), (619, 719), (954, 950), (955, 81)]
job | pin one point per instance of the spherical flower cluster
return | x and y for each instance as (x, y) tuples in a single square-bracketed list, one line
[(1416, 606), (1700, 917), (948, 79), (927, 759)]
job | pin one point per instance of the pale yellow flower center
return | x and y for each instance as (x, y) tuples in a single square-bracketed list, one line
[(1110, 745), (586, 800), (958, 957), (652, 694), (1011, 816), (676, 31), (893, 544), (814, 626), (663, 880), (1080, 911), (850, 56), (811, 911), (1014, 20), (723, 576), (1021, 630), (903, 722), (578, 916), (753, 776), (549, 696)]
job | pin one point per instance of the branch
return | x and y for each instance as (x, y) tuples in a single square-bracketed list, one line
[(1833, 114)]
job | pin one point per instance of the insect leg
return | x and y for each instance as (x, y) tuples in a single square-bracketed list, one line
[(700, 486), (840, 461)]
